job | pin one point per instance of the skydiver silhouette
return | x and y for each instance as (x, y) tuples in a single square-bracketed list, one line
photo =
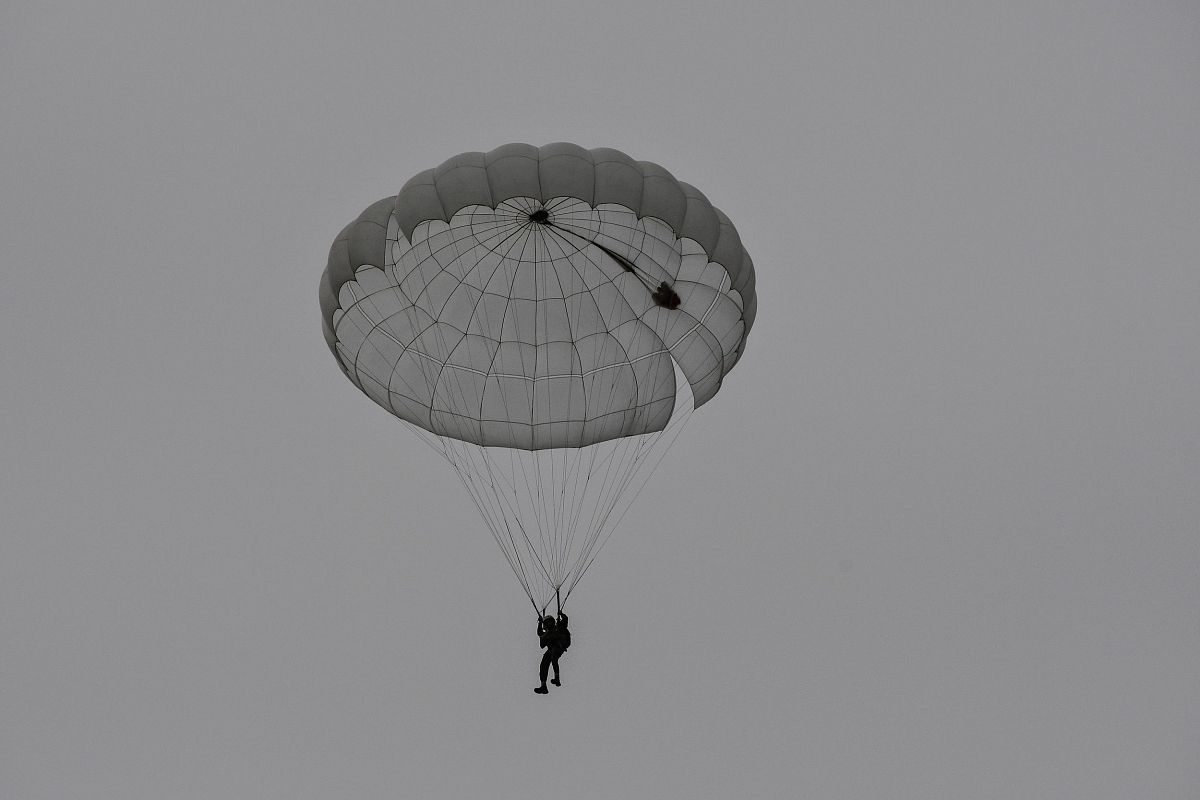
[(556, 638)]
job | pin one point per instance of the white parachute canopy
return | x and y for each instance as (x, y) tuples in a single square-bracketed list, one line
[(546, 319)]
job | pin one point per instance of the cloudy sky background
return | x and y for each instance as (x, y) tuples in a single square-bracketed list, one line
[(937, 536)]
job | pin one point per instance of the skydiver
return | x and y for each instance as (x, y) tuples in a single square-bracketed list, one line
[(556, 638)]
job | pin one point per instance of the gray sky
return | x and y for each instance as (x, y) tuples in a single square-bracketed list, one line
[(937, 536)]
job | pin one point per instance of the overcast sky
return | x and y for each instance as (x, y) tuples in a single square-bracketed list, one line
[(938, 535)]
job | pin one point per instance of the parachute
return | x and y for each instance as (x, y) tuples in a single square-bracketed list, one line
[(545, 318)]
